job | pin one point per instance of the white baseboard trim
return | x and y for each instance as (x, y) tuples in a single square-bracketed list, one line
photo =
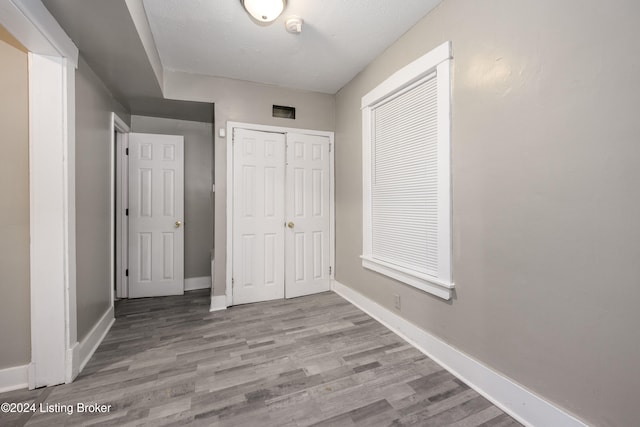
[(193, 283), (90, 343), (72, 364), (523, 405), (218, 303), (14, 378), (31, 374)]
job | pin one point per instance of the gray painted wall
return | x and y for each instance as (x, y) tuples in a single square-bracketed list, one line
[(94, 105), (545, 206), (198, 176), (15, 320), (241, 101)]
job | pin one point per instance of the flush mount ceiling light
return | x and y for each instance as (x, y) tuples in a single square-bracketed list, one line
[(264, 10)]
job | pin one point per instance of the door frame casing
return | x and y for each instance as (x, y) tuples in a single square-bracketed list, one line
[(52, 221), (121, 143), (229, 211), (52, 61)]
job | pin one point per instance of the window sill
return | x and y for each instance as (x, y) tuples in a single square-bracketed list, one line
[(417, 280)]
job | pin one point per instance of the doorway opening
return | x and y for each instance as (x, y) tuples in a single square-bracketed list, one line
[(178, 244)]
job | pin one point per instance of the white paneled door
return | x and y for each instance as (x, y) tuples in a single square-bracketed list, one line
[(258, 215), (156, 215), (281, 215), (307, 233)]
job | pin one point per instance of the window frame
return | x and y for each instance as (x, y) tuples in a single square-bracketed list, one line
[(436, 61)]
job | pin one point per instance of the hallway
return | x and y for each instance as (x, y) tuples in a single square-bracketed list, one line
[(315, 360)]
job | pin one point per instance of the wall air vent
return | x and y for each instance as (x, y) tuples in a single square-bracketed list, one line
[(283, 112)]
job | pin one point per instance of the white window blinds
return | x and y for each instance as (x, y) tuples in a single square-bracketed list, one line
[(406, 172), (404, 190)]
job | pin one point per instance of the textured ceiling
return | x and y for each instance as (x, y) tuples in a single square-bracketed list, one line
[(216, 37), (339, 38)]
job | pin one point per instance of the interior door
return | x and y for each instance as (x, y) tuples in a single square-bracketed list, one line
[(258, 216), (308, 215), (156, 212)]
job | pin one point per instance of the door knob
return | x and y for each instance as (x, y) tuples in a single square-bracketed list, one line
[(178, 224), (290, 224)]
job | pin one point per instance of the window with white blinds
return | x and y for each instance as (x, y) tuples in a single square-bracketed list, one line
[(406, 159)]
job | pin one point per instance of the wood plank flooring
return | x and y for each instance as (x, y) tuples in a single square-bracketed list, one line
[(310, 361)]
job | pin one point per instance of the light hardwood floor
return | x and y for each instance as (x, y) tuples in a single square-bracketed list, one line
[(315, 360)]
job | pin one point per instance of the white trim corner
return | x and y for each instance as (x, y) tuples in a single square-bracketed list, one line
[(73, 368), (33, 25), (218, 302), (525, 406)]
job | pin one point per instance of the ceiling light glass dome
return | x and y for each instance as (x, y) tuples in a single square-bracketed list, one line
[(264, 10)]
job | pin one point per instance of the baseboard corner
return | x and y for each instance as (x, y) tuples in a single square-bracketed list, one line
[(73, 362), (218, 302), (94, 338)]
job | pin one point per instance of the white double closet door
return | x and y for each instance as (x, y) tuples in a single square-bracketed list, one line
[(281, 215)]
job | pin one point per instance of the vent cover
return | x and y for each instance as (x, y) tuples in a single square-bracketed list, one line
[(283, 112)]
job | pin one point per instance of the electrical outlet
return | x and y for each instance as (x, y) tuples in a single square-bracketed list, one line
[(396, 301)]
